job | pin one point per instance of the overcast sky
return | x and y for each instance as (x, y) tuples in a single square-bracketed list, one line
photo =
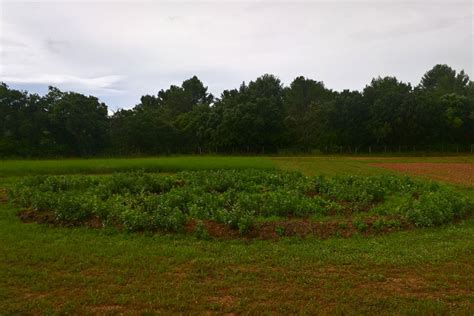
[(119, 51)]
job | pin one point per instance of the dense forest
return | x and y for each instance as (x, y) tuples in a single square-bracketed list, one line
[(262, 116)]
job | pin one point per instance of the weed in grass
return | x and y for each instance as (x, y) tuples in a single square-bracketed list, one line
[(201, 231), (383, 223), (377, 277), (342, 225), (280, 230), (360, 225)]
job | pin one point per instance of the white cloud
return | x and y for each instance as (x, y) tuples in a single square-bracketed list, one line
[(140, 47), (100, 84)]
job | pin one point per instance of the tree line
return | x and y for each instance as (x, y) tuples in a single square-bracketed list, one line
[(262, 116)]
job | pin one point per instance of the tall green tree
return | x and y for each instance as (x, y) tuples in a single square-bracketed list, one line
[(441, 94), (261, 116), (79, 123), (442, 79), (386, 99), (300, 100), (252, 117), (177, 100)]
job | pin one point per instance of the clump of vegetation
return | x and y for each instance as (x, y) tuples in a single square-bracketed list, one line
[(261, 116), (236, 198), (360, 225)]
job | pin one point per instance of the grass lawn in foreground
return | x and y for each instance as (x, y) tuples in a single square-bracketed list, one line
[(79, 270)]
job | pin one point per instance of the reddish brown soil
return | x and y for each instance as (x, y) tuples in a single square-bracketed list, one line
[(459, 173), (32, 216), (3, 195), (261, 230), (294, 227)]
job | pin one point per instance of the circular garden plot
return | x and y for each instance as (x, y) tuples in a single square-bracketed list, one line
[(234, 203)]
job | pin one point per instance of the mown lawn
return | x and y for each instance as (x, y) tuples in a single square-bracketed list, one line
[(78, 270)]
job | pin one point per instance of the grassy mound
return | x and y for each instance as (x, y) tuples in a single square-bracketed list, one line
[(261, 203)]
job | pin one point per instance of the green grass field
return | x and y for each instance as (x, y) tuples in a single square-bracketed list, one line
[(102, 166), (45, 270)]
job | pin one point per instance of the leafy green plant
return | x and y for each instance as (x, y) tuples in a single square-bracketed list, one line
[(437, 207), (280, 230), (201, 232), (383, 223), (342, 225), (141, 201), (359, 224)]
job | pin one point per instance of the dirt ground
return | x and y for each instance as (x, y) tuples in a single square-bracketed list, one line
[(458, 173)]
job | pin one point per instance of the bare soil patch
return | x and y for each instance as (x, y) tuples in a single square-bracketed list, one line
[(3, 195), (301, 227), (33, 216), (458, 173)]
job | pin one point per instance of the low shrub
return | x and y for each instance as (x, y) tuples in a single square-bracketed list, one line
[(141, 201), (436, 207)]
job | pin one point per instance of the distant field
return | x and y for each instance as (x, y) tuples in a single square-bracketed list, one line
[(457, 170), (460, 173), (60, 270), (324, 165), (98, 166)]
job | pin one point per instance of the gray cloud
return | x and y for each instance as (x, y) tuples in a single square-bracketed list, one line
[(55, 46), (419, 26), (121, 50), (11, 43)]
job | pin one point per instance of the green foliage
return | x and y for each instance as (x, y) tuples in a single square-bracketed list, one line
[(363, 189), (259, 117), (437, 206), (383, 223), (72, 207), (201, 231), (359, 224), (280, 230), (141, 201), (156, 164)]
